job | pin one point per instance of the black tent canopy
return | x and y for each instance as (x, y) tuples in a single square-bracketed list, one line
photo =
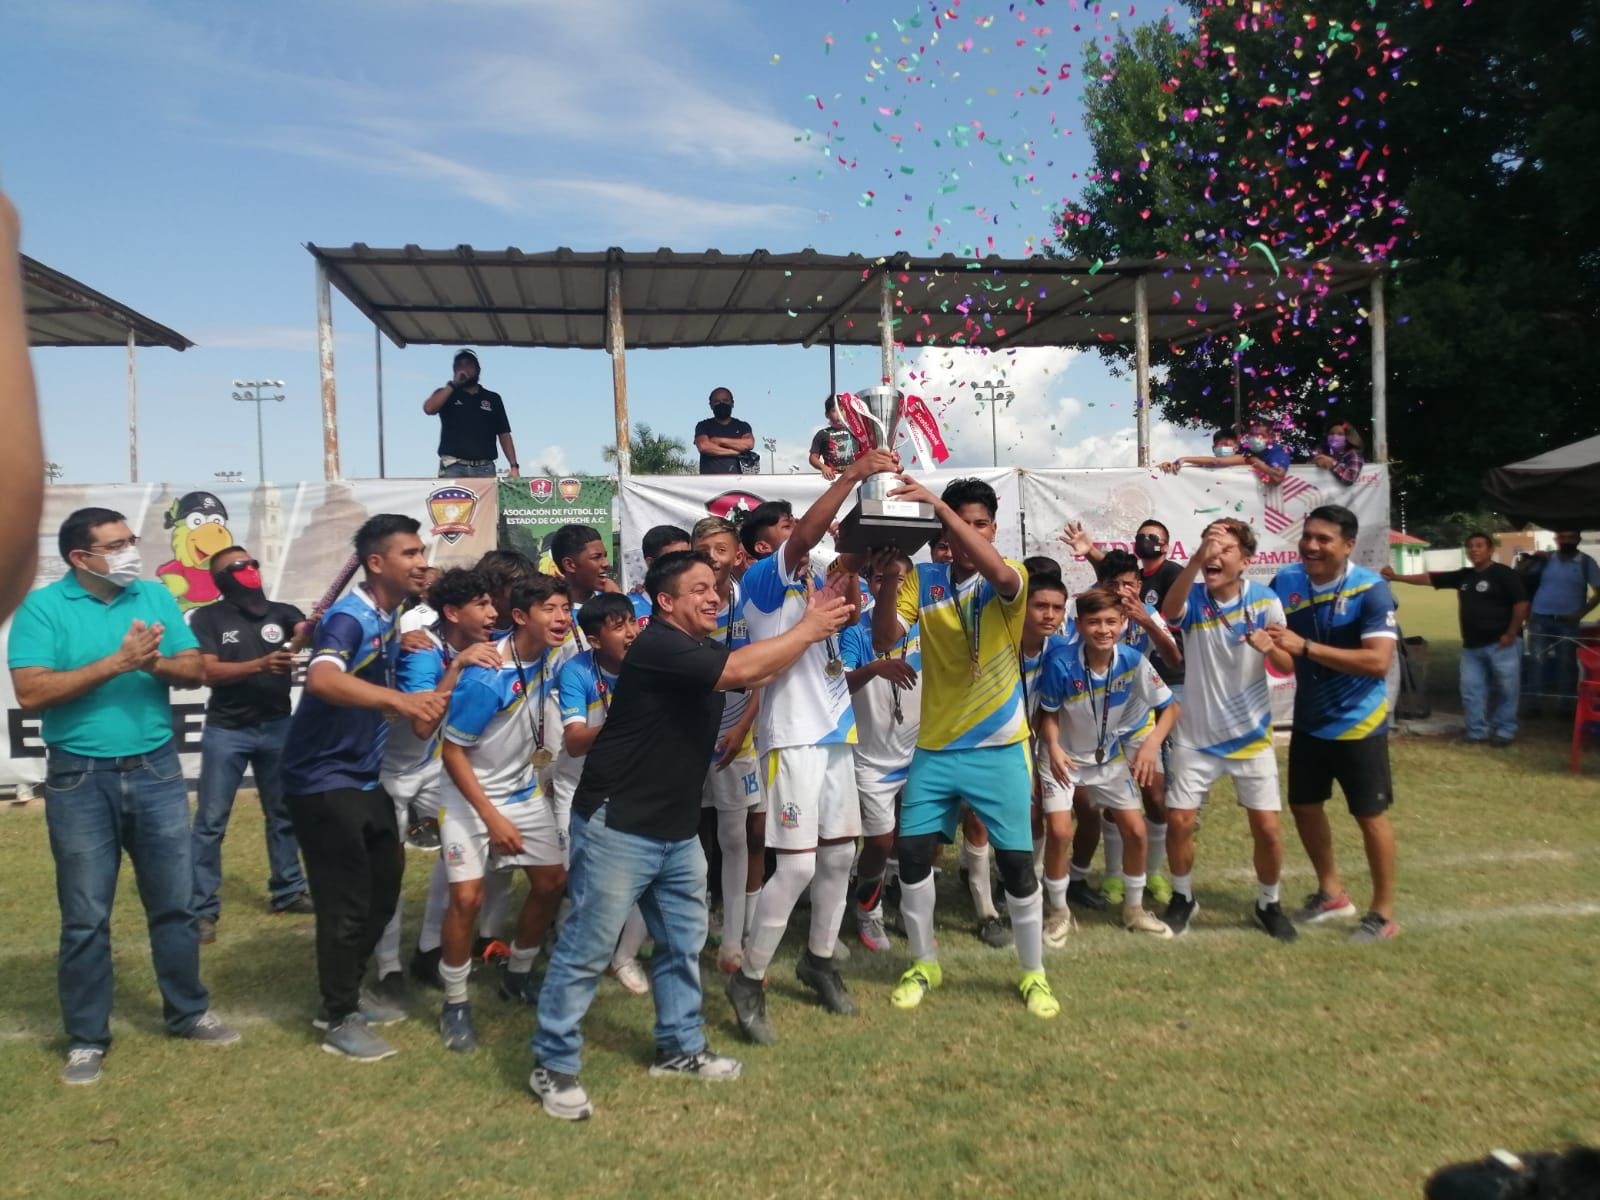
[(1559, 489)]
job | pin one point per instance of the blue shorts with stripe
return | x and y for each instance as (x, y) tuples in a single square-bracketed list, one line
[(995, 782)]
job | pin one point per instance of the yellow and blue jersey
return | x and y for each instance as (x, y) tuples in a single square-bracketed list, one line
[(1358, 605)]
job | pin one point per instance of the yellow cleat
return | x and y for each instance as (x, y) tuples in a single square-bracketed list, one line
[(920, 979), (1035, 990)]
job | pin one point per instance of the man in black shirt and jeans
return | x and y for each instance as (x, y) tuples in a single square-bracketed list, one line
[(635, 819), (243, 648), (722, 439), (1493, 608), (471, 418)]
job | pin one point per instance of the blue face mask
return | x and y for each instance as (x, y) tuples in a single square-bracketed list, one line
[(1224, 449), (1255, 443)]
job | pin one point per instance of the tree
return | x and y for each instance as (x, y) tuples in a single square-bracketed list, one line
[(655, 453)]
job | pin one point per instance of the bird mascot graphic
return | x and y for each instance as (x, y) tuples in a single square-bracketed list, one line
[(199, 527)]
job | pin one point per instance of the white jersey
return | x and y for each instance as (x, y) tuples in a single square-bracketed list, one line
[(804, 705), (1227, 707), (501, 715), (419, 616), (884, 746), (1093, 707), (583, 692), (411, 768)]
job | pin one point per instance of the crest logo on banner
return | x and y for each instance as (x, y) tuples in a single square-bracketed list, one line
[(571, 489), (541, 490), (733, 506), (1287, 506), (452, 508)]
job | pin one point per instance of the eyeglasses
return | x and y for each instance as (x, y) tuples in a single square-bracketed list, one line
[(242, 564), (116, 547)]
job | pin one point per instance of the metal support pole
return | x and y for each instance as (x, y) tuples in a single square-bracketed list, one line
[(886, 328), (1238, 391), (377, 343), (330, 399), (133, 408), (833, 364), (1141, 365), (1380, 374), (615, 339)]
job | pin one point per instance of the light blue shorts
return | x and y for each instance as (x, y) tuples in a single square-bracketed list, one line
[(995, 782)]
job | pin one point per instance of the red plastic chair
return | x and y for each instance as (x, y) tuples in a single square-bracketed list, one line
[(1588, 713)]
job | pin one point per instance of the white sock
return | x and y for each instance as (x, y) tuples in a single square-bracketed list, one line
[(735, 845), (428, 936), (1156, 839), (830, 891), (1077, 874), (455, 981), (1112, 836), (916, 913), (777, 902), (750, 899), (975, 862), (1183, 885), (633, 936), (496, 897), (1266, 893), (1027, 927), (521, 961), (1056, 889), (1039, 844), (1133, 891)]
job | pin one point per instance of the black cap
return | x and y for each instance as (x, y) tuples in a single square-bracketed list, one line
[(460, 354)]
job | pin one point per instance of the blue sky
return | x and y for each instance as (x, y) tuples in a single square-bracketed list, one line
[(177, 155)]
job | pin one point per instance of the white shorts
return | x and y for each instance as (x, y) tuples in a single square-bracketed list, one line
[(1191, 774), (811, 795), (735, 788), (877, 796), (464, 839), (1119, 791), (1132, 745), (1054, 796)]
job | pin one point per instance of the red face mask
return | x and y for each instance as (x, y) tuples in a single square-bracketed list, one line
[(248, 577)]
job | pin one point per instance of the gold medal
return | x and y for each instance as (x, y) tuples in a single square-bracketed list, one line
[(835, 668), (542, 758)]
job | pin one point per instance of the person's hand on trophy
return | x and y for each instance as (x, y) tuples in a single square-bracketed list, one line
[(873, 462), (915, 492)]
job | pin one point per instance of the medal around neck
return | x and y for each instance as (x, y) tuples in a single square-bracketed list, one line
[(542, 758), (877, 522)]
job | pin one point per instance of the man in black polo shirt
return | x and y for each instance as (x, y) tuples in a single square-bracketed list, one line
[(471, 418), (243, 639), (1492, 610), (635, 817), (722, 439)]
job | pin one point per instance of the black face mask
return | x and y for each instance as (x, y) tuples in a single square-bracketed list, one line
[(1566, 551), (722, 411), (1147, 545)]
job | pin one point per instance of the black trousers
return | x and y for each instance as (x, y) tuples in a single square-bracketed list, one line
[(354, 860)]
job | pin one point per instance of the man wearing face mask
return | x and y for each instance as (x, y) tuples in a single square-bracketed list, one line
[(1568, 589), (96, 654), (722, 439), (471, 419), (243, 639)]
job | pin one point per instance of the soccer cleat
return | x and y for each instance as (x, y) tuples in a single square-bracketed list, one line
[(211, 1031), (206, 928), (391, 991), (703, 1064), (488, 950), (919, 979), (1320, 906), (1082, 893), (749, 1000), (1271, 918), (992, 932), (1140, 920), (560, 1094), (300, 906), (1111, 888), (1180, 912), (352, 1038), (425, 967), (632, 977), (1159, 889), (83, 1065), (822, 977), (455, 1028), (1036, 992), (729, 958), (1058, 925), (870, 930), (1374, 927), (519, 988)]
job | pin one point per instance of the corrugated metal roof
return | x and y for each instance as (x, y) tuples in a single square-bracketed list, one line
[(63, 312), (556, 298)]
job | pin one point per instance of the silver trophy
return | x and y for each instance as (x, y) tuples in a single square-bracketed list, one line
[(877, 522)]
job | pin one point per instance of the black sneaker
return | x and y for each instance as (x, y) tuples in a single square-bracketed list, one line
[(993, 932), (519, 988), (300, 906), (749, 1000), (714, 1068), (1180, 912), (820, 975), (1085, 895), (1272, 918), (392, 989), (425, 967)]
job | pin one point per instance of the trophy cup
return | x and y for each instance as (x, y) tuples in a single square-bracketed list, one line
[(877, 522)]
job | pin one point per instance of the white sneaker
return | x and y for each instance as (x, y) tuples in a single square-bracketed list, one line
[(1058, 927), (632, 976), (714, 1068), (1140, 920), (560, 1094)]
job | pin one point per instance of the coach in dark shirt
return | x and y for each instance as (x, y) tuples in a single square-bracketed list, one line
[(722, 438), (243, 639), (634, 821), (471, 418)]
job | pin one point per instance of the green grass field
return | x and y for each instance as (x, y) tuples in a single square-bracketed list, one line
[(1224, 1065)]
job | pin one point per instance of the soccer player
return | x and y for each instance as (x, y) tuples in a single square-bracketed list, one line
[(1342, 634), (806, 730), (410, 771), (888, 709), (733, 785), (495, 810), (658, 540), (579, 555), (972, 747), (1225, 727), (1084, 739)]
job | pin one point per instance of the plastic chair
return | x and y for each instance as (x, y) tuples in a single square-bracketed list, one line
[(1588, 712)]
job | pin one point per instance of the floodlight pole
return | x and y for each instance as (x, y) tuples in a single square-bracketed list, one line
[(1141, 365), (615, 339), (1380, 373), (133, 408), (330, 398)]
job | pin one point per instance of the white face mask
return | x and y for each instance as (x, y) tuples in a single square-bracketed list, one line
[(123, 567)]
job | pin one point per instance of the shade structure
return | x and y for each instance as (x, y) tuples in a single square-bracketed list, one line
[(1559, 489), (61, 311)]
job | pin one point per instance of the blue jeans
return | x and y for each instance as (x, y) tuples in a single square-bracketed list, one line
[(95, 808), (476, 468), (224, 754), (610, 873), (1553, 662), (1489, 677)]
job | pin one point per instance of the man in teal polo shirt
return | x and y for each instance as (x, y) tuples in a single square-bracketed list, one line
[(97, 652)]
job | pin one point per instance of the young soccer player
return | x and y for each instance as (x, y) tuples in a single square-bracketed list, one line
[(657, 540), (1085, 693), (579, 554), (1226, 724), (494, 808), (972, 747)]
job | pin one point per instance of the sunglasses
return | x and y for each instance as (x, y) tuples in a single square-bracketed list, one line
[(243, 564)]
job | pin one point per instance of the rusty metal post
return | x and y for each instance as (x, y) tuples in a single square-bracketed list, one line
[(377, 342), (886, 327), (1141, 364), (133, 408), (1380, 372), (330, 400), (615, 346)]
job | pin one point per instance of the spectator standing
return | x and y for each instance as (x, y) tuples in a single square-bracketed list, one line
[(244, 652), (1492, 610), (471, 420), (722, 438), (834, 447), (1341, 452), (97, 652), (1568, 589)]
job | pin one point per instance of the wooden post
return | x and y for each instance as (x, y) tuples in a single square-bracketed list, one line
[(615, 346), (1141, 365)]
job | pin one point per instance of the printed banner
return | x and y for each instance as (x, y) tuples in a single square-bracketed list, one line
[(533, 509)]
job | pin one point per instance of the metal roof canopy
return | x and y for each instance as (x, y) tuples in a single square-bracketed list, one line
[(64, 312), (614, 299)]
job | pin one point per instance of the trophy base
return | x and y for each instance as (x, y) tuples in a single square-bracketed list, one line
[(878, 524)]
